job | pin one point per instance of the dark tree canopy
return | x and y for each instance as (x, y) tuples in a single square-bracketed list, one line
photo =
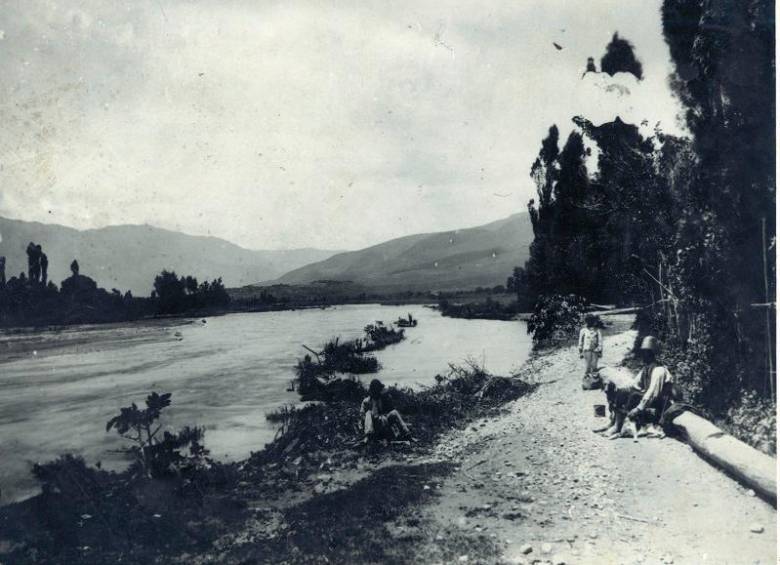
[(586, 230), (620, 58), (684, 227)]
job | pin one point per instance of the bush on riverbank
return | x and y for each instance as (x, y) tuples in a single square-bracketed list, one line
[(336, 424), (168, 454), (86, 515), (379, 336), (320, 379), (556, 319)]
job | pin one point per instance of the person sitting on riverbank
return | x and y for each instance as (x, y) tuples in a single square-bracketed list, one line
[(380, 419), (646, 400), (591, 346)]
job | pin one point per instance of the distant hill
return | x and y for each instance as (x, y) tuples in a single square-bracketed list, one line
[(128, 257), (460, 259)]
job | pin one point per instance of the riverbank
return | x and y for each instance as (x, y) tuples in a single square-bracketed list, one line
[(528, 475), (58, 389), (533, 484), (87, 515)]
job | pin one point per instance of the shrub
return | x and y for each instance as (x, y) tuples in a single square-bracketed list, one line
[(346, 358), (556, 319), (379, 336), (69, 476), (720, 393), (754, 420), (155, 456), (319, 381)]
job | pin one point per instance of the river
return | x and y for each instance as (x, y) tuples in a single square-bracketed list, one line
[(59, 388)]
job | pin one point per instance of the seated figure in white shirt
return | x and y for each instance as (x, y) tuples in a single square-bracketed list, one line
[(645, 402)]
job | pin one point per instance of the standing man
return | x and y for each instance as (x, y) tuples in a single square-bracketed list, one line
[(590, 344)]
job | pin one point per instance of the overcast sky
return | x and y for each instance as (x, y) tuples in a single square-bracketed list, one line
[(302, 124)]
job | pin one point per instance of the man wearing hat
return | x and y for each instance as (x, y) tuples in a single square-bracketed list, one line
[(649, 397), (379, 416)]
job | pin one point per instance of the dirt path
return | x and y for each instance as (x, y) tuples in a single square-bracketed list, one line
[(539, 476)]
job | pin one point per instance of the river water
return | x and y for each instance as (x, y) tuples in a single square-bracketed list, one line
[(59, 388)]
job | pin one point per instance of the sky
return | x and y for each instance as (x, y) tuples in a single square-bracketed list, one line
[(293, 124)]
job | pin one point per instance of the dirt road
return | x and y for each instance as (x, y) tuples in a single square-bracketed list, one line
[(538, 478)]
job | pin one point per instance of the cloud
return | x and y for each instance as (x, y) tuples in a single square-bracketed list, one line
[(299, 124)]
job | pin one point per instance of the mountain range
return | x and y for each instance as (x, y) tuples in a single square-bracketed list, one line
[(128, 257), (459, 259)]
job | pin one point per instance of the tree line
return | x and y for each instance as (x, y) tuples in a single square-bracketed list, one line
[(31, 299), (684, 225)]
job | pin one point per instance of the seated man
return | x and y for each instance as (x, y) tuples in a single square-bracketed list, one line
[(646, 400), (379, 416)]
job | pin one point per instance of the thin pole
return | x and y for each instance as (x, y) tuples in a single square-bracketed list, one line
[(768, 310)]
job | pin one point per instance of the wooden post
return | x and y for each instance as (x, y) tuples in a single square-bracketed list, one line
[(768, 312)]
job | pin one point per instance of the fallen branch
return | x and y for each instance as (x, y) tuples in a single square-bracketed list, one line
[(307, 348), (635, 519), (480, 462)]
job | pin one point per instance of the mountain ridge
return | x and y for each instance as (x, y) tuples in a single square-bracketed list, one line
[(457, 259), (128, 256)]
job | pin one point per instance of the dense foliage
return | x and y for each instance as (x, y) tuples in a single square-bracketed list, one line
[(722, 260), (180, 294), (556, 319), (595, 236), (89, 515), (684, 226)]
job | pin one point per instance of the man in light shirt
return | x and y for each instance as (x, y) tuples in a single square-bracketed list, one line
[(590, 344), (380, 419), (645, 401)]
